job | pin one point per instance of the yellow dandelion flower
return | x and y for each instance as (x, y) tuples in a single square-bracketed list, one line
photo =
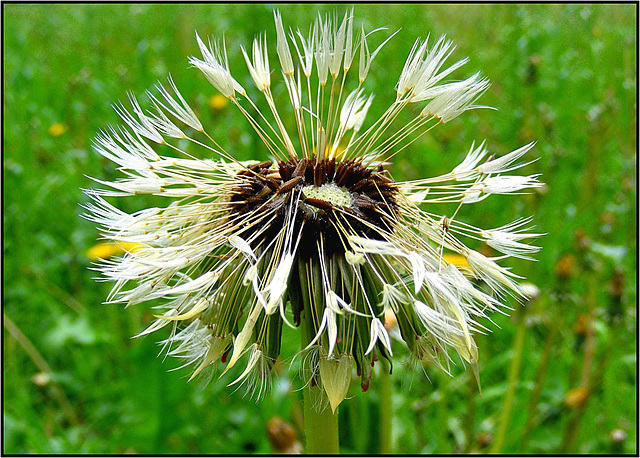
[(104, 250), (57, 129), (218, 101), (456, 259)]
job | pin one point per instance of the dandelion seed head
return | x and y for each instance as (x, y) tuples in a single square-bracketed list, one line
[(320, 237)]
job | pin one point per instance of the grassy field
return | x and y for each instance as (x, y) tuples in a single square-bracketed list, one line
[(560, 375)]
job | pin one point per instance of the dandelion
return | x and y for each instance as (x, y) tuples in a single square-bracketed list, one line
[(319, 237), (57, 129), (105, 250)]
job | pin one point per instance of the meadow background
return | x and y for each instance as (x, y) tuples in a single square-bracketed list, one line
[(559, 375)]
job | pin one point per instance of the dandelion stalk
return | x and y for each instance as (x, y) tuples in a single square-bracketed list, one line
[(360, 423), (320, 427), (572, 428), (512, 384), (320, 421), (385, 408), (469, 420), (43, 366), (538, 386)]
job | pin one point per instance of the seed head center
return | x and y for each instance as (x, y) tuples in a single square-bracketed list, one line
[(319, 198), (338, 196)]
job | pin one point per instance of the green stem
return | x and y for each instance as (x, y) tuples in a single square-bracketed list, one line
[(538, 386), (435, 423), (572, 428), (469, 421), (360, 432), (512, 381), (386, 409), (320, 423), (43, 366), (321, 428)]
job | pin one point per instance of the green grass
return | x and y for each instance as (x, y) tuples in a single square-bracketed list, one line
[(563, 75)]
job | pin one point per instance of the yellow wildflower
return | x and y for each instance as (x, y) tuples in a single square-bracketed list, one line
[(218, 101), (105, 250), (57, 129), (456, 259)]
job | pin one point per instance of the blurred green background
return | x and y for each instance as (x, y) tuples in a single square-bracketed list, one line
[(558, 375)]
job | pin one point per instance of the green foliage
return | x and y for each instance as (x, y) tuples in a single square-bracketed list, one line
[(563, 75)]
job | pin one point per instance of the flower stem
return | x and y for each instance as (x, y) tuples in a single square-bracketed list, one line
[(43, 366), (469, 421), (512, 384), (538, 386), (320, 427), (572, 427), (386, 409), (320, 423)]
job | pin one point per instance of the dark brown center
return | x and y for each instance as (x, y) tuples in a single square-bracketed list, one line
[(332, 200)]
